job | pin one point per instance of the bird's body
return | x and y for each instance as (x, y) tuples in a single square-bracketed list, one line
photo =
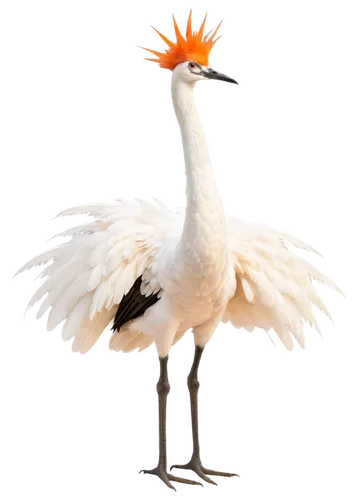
[(248, 276), (157, 273)]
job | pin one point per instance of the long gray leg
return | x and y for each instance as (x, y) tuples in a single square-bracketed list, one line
[(193, 386), (163, 392), (195, 461), (163, 389)]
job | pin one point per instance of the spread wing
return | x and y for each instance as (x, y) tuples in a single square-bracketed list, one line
[(86, 277), (274, 286)]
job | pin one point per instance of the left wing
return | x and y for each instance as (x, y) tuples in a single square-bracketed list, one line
[(274, 286)]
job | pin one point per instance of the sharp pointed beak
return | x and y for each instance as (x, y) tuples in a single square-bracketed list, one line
[(211, 74)]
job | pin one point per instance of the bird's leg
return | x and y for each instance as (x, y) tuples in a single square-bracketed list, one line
[(193, 386), (163, 389), (195, 461)]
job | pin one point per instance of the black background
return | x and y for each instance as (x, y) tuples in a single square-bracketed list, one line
[(84, 119)]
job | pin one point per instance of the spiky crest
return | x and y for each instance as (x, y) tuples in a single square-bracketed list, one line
[(196, 46)]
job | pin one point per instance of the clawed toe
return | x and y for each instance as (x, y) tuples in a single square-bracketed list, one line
[(161, 473), (183, 480), (203, 472), (197, 469), (218, 473), (166, 478), (204, 477)]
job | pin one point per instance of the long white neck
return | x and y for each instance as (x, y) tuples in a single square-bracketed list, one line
[(204, 229)]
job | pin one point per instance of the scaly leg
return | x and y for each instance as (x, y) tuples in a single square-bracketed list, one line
[(163, 389), (195, 462)]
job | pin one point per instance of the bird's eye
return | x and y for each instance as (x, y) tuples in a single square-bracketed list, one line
[(192, 65)]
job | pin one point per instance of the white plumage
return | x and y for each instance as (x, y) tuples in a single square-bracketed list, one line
[(158, 273), (86, 277), (151, 274)]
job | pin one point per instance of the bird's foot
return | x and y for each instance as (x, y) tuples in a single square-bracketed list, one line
[(196, 466), (166, 478)]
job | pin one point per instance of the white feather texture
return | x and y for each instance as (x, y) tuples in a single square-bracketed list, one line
[(204, 266), (274, 288), (87, 276)]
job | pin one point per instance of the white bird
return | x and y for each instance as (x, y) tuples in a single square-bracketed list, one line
[(156, 273)]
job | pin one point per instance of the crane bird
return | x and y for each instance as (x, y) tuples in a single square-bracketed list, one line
[(156, 273)]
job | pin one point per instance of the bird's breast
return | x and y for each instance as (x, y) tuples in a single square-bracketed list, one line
[(201, 283)]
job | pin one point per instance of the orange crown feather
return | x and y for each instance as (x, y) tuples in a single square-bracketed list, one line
[(196, 47)]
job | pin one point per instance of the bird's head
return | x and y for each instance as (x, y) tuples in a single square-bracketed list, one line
[(192, 72), (188, 57)]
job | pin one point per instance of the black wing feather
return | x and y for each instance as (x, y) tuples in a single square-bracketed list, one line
[(133, 305)]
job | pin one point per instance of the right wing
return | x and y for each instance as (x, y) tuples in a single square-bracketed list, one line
[(88, 276)]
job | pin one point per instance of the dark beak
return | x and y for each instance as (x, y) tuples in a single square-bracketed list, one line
[(211, 74)]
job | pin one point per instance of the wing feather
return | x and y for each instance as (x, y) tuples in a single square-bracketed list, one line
[(40, 260), (76, 317), (90, 331), (67, 300), (274, 287), (86, 277), (248, 291)]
